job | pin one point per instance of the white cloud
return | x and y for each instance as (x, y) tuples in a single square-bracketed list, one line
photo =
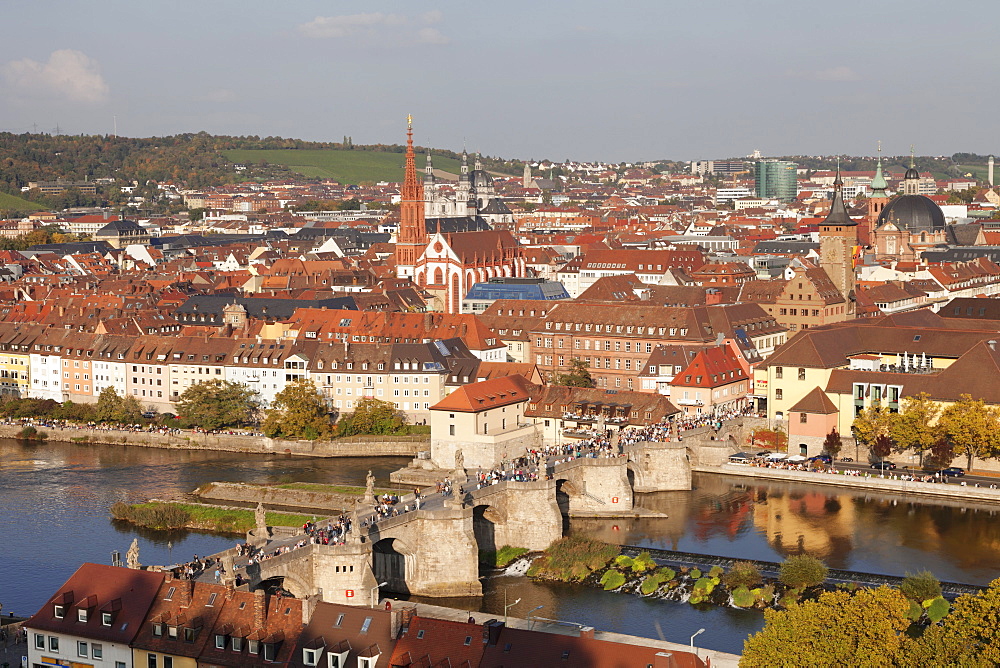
[(68, 73), (431, 36), (841, 73), (397, 26), (348, 24)]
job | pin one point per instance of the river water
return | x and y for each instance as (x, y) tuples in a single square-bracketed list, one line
[(54, 500)]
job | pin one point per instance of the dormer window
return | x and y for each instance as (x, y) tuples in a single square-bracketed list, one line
[(310, 657), (105, 619), (81, 615), (157, 630), (172, 632), (59, 611)]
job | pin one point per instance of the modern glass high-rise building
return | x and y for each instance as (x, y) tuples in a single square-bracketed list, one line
[(775, 179)]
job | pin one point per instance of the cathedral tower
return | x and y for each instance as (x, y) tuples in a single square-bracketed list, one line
[(838, 239), (412, 237), (878, 198)]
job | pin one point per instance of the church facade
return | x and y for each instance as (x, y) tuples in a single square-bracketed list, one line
[(447, 255), (474, 196)]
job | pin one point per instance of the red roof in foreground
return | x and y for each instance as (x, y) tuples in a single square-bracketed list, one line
[(487, 394)]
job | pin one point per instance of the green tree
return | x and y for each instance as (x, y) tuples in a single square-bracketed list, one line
[(837, 629), (833, 443), (108, 405), (577, 376), (871, 423), (298, 411), (972, 427), (215, 404), (371, 416), (914, 428), (802, 570), (920, 587), (968, 636)]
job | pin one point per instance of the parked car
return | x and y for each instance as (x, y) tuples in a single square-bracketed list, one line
[(953, 471), (884, 466), (822, 457), (847, 459)]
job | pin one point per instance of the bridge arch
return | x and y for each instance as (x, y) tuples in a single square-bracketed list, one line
[(392, 561), (291, 584)]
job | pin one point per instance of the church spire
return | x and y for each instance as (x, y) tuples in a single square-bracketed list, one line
[(879, 183), (412, 236), (838, 209), (429, 172)]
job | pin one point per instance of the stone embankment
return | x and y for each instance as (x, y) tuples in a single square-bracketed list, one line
[(952, 490), (357, 446), (279, 497)]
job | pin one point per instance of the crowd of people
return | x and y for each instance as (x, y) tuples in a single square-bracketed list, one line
[(783, 465), (333, 533)]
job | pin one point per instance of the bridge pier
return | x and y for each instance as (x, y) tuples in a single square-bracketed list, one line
[(589, 487), (659, 467), (518, 514)]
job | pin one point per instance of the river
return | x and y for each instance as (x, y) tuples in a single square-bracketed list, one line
[(54, 500)]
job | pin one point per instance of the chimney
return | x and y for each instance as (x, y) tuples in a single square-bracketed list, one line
[(183, 593), (663, 660), (587, 632), (259, 609)]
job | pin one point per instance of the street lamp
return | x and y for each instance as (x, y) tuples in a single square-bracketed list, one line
[(696, 634), (374, 593), (507, 607), (533, 610)]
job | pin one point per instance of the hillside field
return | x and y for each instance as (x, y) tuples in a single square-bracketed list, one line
[(344, 166), (14, 203)]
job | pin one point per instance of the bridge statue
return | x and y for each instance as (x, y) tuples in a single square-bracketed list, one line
[(132, 556), (459, 461), (260, 519), (369, 488)]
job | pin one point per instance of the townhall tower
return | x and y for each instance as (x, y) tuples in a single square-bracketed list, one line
[(838, 241)]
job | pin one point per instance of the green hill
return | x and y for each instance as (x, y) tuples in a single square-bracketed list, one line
[(14, 203), (353, 166)]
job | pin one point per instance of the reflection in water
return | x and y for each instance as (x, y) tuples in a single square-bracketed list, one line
[(54, 500), (849, 529)]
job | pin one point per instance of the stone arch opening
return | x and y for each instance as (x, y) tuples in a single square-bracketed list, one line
[(564, 490), (484, 522), (391, 561), (286, 585)]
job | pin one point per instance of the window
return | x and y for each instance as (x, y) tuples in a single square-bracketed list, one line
[(157, 630), (220, 641), (188, 634), (237, 644), (269, 648), (451, 430), (803, 418), (172, 632), (119, 664), (802, 374), (81, 648), (168, 662), (253, 646), (59, 611), (39, 641), (778, 393), (97, 650), (151, 661), (81, 615), (779, 372), (310, 657), (53, 644)]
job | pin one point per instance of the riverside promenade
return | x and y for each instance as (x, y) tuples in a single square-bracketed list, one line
[(879, 482), (187, 439)]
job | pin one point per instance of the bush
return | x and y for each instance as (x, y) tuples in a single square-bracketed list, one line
[(743, 598), (28, 433), (667, 573), (716, 572), (572, 559), (937, 609), (743, 574), (920, 586), (502, 557), (695, 573), (152, 515), (914, 612), (623, 561), (612, 580), (802, 570), (644, 562)]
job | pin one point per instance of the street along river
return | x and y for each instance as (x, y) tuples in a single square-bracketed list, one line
[(54, 500)]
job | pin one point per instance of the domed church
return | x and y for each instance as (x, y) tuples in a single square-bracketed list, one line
[(907, 225)]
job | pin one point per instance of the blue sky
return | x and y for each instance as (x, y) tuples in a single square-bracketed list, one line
[(581, 80)]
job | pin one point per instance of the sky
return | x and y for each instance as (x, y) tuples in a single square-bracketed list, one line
[(582, 80)]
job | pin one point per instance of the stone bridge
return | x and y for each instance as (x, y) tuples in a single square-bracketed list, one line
[(434, 551)]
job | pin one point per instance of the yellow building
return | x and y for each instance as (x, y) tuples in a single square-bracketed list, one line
[(14, 370)]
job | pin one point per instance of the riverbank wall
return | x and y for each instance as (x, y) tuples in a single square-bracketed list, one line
[(354, 446), (277, 497), (953, 490)]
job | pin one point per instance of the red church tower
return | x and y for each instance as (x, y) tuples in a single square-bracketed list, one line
[(412, 237)]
